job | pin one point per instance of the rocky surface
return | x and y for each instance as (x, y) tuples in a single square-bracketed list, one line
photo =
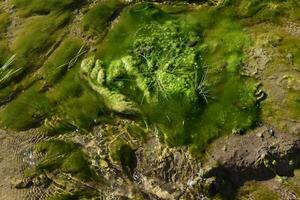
[(259, 155)]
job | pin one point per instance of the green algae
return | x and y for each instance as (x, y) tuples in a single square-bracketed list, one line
[(120, 38), (27, 7), (79, 194), (83, 110), (124, 154), (27, 110), (293, 103), (37, 34), (4, 23), (65, 156), (4, 52), (63, 58), (290, 45), (98, 17), (190, 72), (69, 106), (256, 191), (168, 69), (265, 10), (67, 103), (293, 183)]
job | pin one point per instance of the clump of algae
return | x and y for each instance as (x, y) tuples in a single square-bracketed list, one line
[(166, 76)]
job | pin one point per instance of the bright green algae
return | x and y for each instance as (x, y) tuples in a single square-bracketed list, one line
[(163, 72)]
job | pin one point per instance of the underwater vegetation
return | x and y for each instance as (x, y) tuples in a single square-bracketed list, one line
[(65, 156), (28, 7), (165, 75), (173, 70), (69, 66), (98, 17)]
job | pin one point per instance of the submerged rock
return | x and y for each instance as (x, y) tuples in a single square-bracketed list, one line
[(249, 157)]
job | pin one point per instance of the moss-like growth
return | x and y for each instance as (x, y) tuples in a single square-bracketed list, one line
[(124, 154), (78, 195), (166, 73), (293, 103), (265, 9), (256, 191), (98, 17), (77, 106), (137, 131), (4, 22), (26, 111), (77, 165), (44, 7), (62, 59), (64, 156), (37, 34), (82, 111), (116, 43)]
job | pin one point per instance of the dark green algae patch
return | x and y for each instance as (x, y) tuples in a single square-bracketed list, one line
[(179, 72)]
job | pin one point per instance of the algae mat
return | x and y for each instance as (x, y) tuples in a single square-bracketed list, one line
[(109, 86)]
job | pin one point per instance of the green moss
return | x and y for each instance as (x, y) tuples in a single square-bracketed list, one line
[(5, 53), (271, 10), (77, 165), (293, 103), (116, 43), (66, 157), (293, 183), (27, 110), (62, 59), (137, 131), (223, 38), (63, 197), (37, 34), (163, 73), (98, 17), (4, 22), (82, 111), (68, 87), (256, 191), (123, 153), (291, 45), (79, 194), (46, 6)]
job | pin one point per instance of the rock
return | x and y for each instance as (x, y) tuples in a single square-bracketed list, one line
[(192, 43), (271, 132), (260, 134), (290, 58), (41, 180), (211, 186), (246, 155), (24, 184), (103, 163), (260, 95)]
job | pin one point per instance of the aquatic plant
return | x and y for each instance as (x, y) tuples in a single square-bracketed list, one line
[(63, 59), (44, 7), (171, 76), (7, 72), (59, 154), (37, 34), (98, 17)]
